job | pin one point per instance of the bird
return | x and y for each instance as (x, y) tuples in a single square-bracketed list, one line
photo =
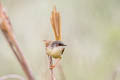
[(55, 48)]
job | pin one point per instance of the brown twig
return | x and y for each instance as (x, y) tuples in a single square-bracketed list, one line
[(6, 28), (19, 55), (51, 69)]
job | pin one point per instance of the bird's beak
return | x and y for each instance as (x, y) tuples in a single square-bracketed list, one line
[(64, 45)]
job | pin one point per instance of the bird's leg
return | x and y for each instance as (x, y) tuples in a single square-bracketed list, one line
[(54, 65)]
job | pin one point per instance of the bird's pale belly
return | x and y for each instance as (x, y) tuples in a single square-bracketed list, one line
[(55, 53)]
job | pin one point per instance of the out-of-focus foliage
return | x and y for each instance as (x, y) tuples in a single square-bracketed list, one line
[(91, 29)]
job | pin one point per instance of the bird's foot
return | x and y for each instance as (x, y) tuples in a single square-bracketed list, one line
[(52, 66)]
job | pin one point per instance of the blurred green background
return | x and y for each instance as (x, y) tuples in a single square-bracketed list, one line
[(90, 28)]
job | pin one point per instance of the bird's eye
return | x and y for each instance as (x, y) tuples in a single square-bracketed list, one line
[(62, 45)]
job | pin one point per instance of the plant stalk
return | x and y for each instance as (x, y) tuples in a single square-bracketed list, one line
[(6, 28), (51, 69), (19, 54)]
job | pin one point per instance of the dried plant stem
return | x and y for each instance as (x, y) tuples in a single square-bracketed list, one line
[(51, 70), (6, 27), (19, 54)]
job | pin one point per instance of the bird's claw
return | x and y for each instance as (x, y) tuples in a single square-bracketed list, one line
[(52, 67)]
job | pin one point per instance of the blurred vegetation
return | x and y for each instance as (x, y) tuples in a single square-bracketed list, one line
[(91, 29)]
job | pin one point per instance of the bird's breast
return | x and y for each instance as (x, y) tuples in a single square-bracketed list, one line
[(55, 52)]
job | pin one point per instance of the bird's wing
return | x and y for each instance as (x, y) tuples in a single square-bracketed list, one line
[(56, 24)]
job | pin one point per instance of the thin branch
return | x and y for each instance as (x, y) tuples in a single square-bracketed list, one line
[(13, 76), (51, 69), (6, 28), (19, 55)]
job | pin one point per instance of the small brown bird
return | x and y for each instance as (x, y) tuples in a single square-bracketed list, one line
[(55, 48)]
